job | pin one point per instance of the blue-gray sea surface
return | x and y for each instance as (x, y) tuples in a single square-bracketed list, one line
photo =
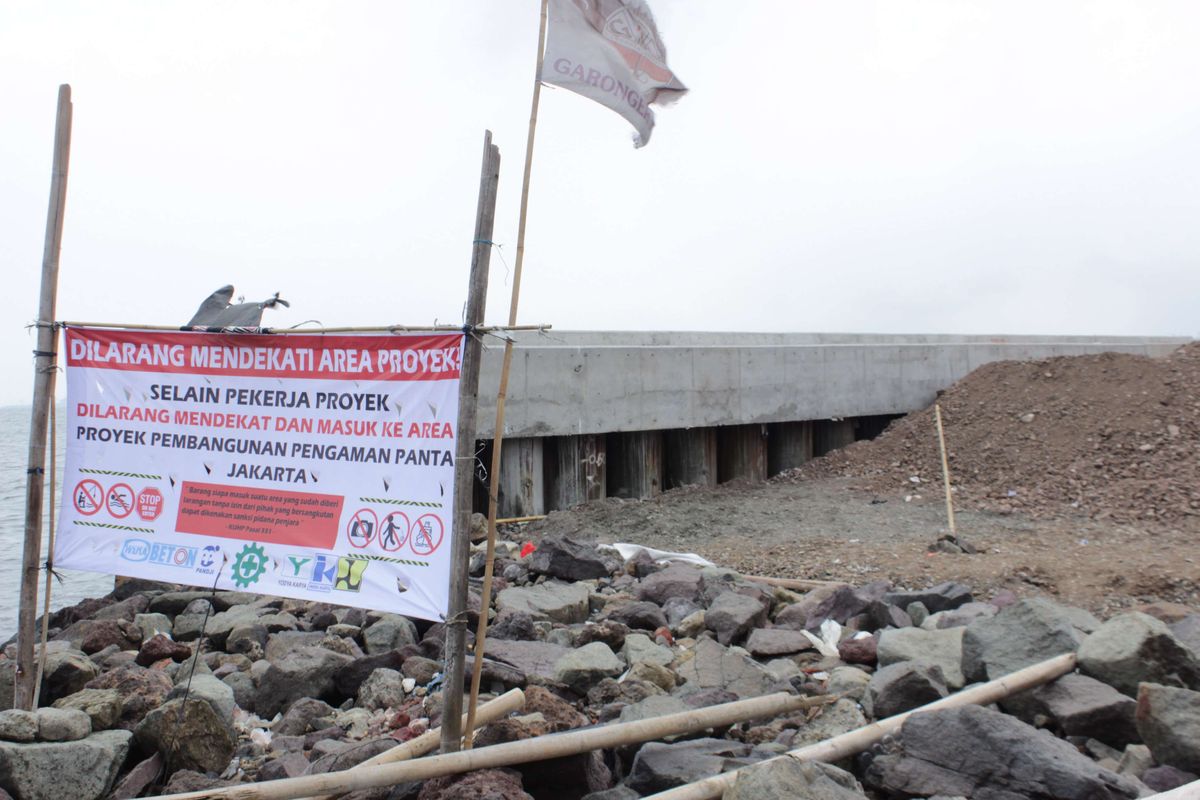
[(14, 460)]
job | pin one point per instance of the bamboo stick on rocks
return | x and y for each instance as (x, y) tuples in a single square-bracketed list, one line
[(856, 741), (557, 745), (492, 710)]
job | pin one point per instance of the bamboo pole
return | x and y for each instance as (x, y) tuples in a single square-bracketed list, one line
[(44, 365), (856, 741), (485, 603), (937, 413), (511, 520), (793, 583), (556, 745), (512, 700), (45, 636), (464, 456)]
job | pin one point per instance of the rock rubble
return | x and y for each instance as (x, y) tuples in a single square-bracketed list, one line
[(281, 688)]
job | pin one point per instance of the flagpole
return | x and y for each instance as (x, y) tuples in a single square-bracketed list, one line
[(498, 435)]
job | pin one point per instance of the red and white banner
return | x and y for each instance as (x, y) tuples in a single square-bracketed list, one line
[(610, 51), (308, 466)]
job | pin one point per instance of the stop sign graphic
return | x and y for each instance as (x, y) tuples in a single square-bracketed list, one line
[(149, 503)]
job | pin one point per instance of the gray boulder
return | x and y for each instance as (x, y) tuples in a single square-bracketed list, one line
[(1080, 706), (1168, 718), (641, 615), (676, 581), (63, 724), (771, 642), (789, 779), (941, 647), (657, 705), (832, 720), (902, 687), (658, 767), (211, 690), (641, 648), (306, 714), (983, 754), (531, 658), (390, 632), (18, 725), (1187, 631), (153, 624), (1023, 634), (943, 597), (583, 668), (191, 735), (306, 673), (558, 602), (66, 673), (570, 559), (382, 689), (732, 615), (713, 666), (80, 770), (1132, 648)]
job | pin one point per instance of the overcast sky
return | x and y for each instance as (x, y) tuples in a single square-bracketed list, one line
[(947, 167)]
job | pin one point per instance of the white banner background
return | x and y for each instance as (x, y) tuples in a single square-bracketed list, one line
[(315, 467)]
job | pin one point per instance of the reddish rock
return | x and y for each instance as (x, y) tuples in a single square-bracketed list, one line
[(559, 714), (103, 633), (159, 647), (858, 651), (142, 691), (484, 784)]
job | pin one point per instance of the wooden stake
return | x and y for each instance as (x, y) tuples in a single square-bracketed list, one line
[(464, 455), (43, 379), (937, 413), (794, 583), (541, 748), (427, 742), (502, 394), (856, 741)]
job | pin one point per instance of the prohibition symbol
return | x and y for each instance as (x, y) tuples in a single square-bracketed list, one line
[(394, 532), (427, 533), (88, 497), (361, 528), (119, 500)]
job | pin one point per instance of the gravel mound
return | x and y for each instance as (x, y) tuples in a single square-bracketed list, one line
[(1112, 436)]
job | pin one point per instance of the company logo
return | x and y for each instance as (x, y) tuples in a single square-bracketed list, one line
[(350, 574), (135, 550), (172, 555), (210, 556), (323, 572), (167, 555), (249, 565)]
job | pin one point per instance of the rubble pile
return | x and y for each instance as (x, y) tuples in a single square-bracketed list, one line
[(283, 688), (1112, 436)]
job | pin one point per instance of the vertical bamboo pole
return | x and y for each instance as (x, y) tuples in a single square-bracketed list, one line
[(937, 413), (502, 394), (464, 454), (43, 380)]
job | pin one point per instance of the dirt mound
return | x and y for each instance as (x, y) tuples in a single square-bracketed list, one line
[(1112, 436)]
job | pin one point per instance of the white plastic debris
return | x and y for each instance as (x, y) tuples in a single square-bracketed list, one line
[(628, 551)]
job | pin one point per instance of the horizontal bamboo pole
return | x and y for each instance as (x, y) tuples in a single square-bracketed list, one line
[(793, 583), (427, 742), (856, 741), (509, 520), (300, 331), (557, 745)]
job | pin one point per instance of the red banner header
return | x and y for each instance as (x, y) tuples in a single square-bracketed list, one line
[(374, 357)]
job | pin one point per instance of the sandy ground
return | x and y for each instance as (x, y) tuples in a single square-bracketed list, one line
[(828, 529)]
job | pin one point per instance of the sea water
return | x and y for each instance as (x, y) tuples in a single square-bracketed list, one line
[(14, 461)]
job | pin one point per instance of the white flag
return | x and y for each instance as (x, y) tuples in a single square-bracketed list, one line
[(610, 51)]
